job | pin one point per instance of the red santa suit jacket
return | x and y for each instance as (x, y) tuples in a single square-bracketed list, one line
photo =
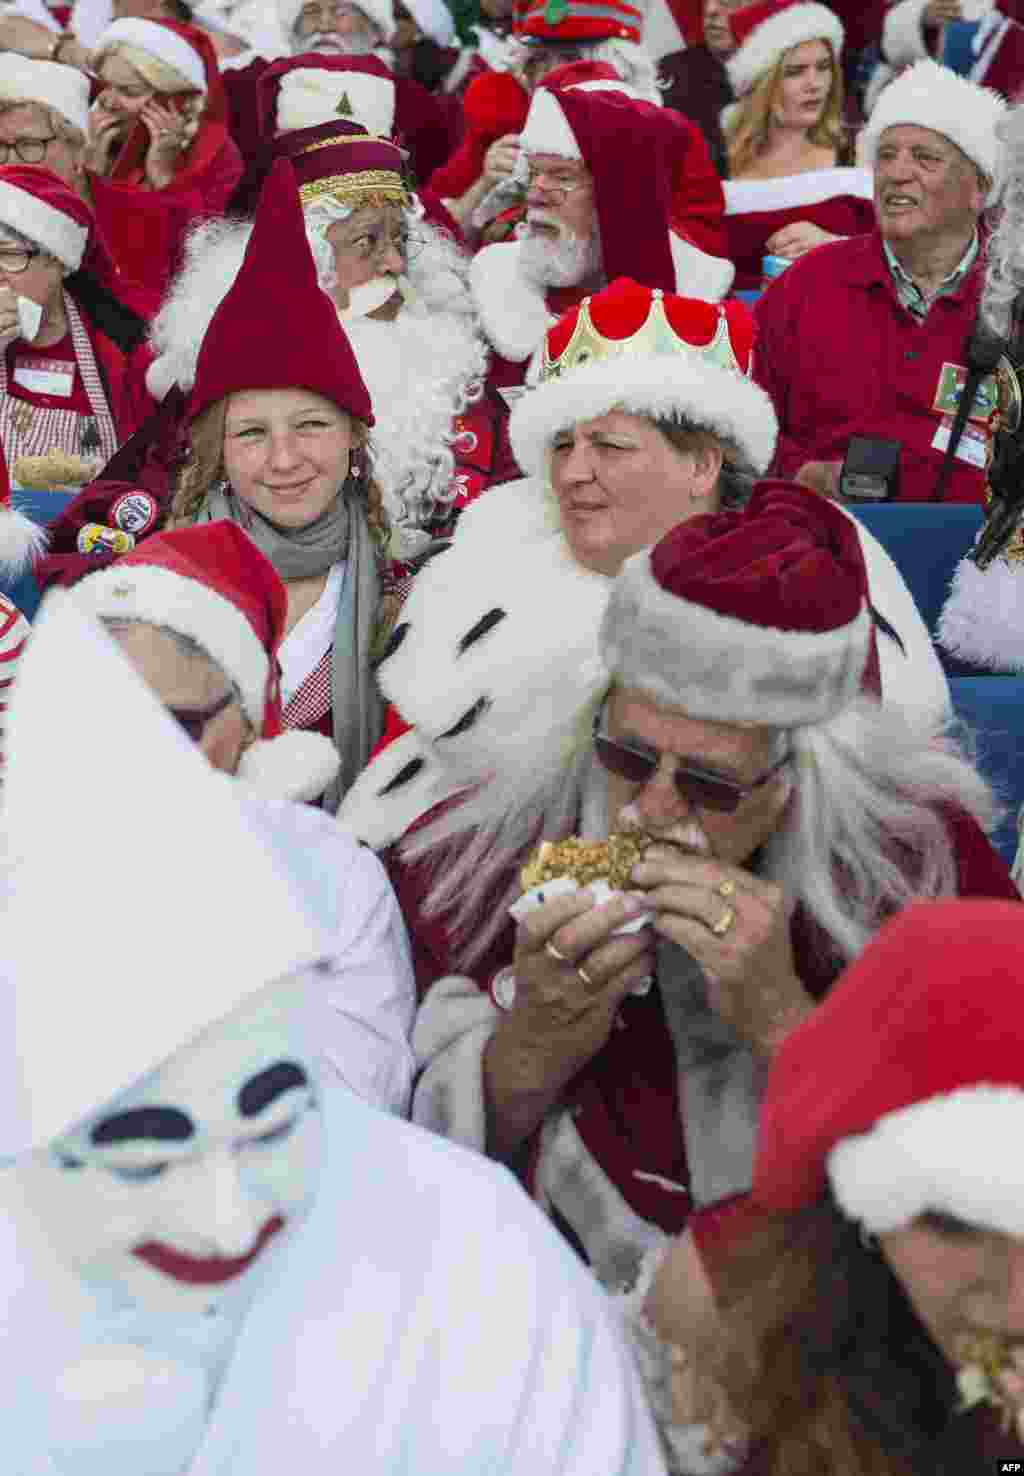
[(840, 356), (838, 200)]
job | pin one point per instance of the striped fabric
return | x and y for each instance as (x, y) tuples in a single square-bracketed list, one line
[(13, 633), (579, 20)]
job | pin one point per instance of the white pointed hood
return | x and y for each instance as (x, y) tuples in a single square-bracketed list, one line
[(142, 901)]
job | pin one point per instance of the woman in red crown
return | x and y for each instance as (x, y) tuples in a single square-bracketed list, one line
[(788, 190)]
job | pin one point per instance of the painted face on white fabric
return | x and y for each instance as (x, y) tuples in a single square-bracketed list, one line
[(170, 1194)]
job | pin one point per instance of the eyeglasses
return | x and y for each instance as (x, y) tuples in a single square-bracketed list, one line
[(16, 260), (372, 244), (28, 150), (706, 791), (194, 720), (558, 186)]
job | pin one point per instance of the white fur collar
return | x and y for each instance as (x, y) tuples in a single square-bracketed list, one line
[(513, 312)]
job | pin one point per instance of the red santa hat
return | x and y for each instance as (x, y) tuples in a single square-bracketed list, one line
[(65, 89), (170, 42), (764, 32), (928, 95), (338, 159), (277, 329), (565, 22), (904, 1089), (758, 616), (42, 207), (212, 584), (649, 353), (631, 149)]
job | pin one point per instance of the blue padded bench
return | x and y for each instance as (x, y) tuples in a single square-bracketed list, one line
[(993, 706), (43, 508), (925, 541)]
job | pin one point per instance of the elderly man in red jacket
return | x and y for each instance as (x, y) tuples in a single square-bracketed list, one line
[(868, 336)]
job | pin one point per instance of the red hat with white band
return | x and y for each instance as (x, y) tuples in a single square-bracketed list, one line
[(37, 204), (764, 32), (163, 40), (904, 1089), (756, 616), (568, 22)]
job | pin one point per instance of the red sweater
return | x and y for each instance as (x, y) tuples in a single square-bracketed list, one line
[(840, 356)]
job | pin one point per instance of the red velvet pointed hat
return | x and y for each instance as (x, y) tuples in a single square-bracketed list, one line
[(276, 328)]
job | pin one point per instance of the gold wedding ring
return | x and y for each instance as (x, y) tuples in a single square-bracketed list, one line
[(552, 952), (726, 888), (724, 923)]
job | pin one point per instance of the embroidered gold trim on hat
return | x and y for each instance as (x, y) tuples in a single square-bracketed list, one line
[(364, 182), (654, 336)]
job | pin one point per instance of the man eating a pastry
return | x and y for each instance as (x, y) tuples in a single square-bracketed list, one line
[(612, 1048)]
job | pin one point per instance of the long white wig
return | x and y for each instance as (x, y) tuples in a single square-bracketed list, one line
[(1004, 277), (864, 832)]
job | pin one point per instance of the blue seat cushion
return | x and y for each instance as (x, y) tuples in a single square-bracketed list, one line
[(926, 542), (993, 706)]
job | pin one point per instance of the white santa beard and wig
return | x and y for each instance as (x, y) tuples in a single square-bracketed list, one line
[(560, 263), (422, 369), (633, 62)]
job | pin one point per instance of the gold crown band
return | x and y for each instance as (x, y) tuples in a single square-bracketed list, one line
[(352, 186), (348, 138), (654, 336)]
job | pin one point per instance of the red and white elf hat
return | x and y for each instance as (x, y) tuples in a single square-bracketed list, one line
[(765, 31), (904, 1089)]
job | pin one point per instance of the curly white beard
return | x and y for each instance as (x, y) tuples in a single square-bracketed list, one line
[(560, 263)]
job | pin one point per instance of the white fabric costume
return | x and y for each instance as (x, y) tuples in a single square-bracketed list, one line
[(418, 1318)]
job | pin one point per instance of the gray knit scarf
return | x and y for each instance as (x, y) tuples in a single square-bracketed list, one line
[(301, 553)]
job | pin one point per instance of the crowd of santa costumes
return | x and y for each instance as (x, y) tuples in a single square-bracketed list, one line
[(427, 431)]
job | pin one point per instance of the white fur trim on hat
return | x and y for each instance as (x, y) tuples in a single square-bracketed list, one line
[(697, 273), (662, 36), (948, 1153), (982, 621), (658, 385), (64, 89), (380, 12), (309, 96), (159, 596), (546, 130), (930, 96), (22, 541), (903, 33), (51, 229), (778, 34), (295, 765), (167, 46), (434, 19), (723, 669)]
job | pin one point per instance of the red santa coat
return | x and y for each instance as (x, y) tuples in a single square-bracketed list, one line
[(838, 200), (841, 356), (625, 1105)]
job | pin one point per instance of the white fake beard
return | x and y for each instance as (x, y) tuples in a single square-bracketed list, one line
[(368, 297), (329, 43), (414, 406), (560, 263)]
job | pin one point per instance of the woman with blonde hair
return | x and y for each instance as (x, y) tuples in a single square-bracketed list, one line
[(160, 120), (788, 189)]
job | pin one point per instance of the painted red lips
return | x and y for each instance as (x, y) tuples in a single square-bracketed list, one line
[(204, 1270)]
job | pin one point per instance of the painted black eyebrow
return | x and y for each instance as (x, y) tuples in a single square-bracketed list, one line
[(164, 1124), (267, 1086)]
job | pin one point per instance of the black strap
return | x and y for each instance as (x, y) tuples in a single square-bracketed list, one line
[(984, 350), (112, 317)]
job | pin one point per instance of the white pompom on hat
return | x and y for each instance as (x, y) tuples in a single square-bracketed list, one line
[(434, 19), (64, 89), (766, 32), (931, 96)]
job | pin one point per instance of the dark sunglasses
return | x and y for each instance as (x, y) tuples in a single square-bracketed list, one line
[(194, 719), (706, 791)]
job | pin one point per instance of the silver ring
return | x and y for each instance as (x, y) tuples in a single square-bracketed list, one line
[(588, 981), (552, 952)]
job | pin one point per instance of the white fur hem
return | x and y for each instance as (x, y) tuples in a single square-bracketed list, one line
[(450, 1035), (724, 669), (744, 196), (948, 1153), (903, 33), (982, 621), (295, 765), (723, 400), (42, 223), (159, 597), (513, 312)]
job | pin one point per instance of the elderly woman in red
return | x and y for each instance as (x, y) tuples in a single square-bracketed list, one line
[(159, 122), (788, 189), (71, 354)]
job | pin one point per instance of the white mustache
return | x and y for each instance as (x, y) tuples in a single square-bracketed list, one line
[(687, 834)]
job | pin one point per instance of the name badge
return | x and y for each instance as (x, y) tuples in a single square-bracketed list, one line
[(46, 379), (973, 447), (952, 379)]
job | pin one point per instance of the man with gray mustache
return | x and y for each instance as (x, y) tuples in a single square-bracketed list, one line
[(868, 336), (612, 190)]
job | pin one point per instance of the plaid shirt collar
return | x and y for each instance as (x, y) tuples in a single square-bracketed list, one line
[(910, 294)]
